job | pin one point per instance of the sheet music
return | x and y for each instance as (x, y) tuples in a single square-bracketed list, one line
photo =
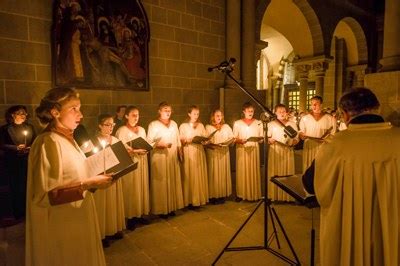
[(95, 163)]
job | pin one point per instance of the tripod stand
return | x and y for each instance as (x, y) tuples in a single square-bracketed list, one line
[(226, 68)]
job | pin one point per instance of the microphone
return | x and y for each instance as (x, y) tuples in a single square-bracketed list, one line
[(224, 66)]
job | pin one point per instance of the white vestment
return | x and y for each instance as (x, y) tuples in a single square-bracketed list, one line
[(218, 163), (357, 184), (66, 234), (248, 178), (280, 158), (136, 183), (194, 168), (110, 206), (165, 183), (316, 129)]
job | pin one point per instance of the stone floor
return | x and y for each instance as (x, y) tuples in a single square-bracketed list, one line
[(197, 237)]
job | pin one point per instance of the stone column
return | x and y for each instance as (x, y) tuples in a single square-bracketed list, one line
[(248, 44), (233, 37), (391, 36), (319, 69), (302, 71)]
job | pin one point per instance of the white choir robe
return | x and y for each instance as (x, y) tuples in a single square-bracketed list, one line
[(218, 163), (110, 206), (357, 184), (194, 167), (248, 177), (135, 184), (280, 158), (66, 234), (313, 128), (165, 183)]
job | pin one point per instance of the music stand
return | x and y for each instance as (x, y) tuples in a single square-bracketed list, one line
[(293, 185), (226, 68)]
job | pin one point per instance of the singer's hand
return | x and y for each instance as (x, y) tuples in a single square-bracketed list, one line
[(97, 182)]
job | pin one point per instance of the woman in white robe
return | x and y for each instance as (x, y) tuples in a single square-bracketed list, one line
[(194, 167), (109, 201), (313, 126), (61, 222), (248, 177), (165, 183), (280, 154), (136, 183), (218, 159)]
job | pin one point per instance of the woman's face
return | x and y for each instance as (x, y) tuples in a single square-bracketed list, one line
[(70, 114), (19, 116), (194, 115), (165, 112), (133, 117), (281, 113), (218, 117), (106, 128), (248, 113)]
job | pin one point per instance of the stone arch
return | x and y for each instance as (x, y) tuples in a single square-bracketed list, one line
[(359, 37), (309, 15)]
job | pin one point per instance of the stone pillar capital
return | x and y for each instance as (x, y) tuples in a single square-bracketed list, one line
[(303, 70), (320, 67)]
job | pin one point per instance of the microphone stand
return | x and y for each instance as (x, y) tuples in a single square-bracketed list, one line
[(268, 209)]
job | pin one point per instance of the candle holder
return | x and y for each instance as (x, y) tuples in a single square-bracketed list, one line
[(103, 144)]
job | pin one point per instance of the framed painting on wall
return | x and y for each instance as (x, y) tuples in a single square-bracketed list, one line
[(100, 44)]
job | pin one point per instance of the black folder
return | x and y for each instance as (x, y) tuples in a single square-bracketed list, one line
[(200, 139), (293, 185), (126, 164), (140, 143)]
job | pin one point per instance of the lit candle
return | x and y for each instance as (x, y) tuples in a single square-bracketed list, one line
[(25, 132), (103, 144)]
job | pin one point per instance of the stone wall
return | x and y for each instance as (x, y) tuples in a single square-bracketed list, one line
[(187, 36)]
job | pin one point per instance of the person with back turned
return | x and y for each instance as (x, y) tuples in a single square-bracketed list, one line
[(356, 180)]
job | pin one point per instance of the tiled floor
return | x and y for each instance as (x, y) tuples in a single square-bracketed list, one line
[(196, 238)]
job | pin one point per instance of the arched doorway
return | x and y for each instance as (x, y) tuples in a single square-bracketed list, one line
[(302, 41), (350, 56)]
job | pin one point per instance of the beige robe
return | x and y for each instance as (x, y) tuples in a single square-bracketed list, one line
[(110, 207), (313, 128), (66, 234), (357, 183), (218, 163), (165, 183), (194, 167), (280, 158), (135, 184), (248, 177)]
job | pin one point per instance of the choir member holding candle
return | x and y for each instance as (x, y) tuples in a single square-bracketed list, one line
[(61, 220), (16, 138), (218, 160), (165, 183), (109, 201), (248, 178), (194, 168), (135, 184)]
